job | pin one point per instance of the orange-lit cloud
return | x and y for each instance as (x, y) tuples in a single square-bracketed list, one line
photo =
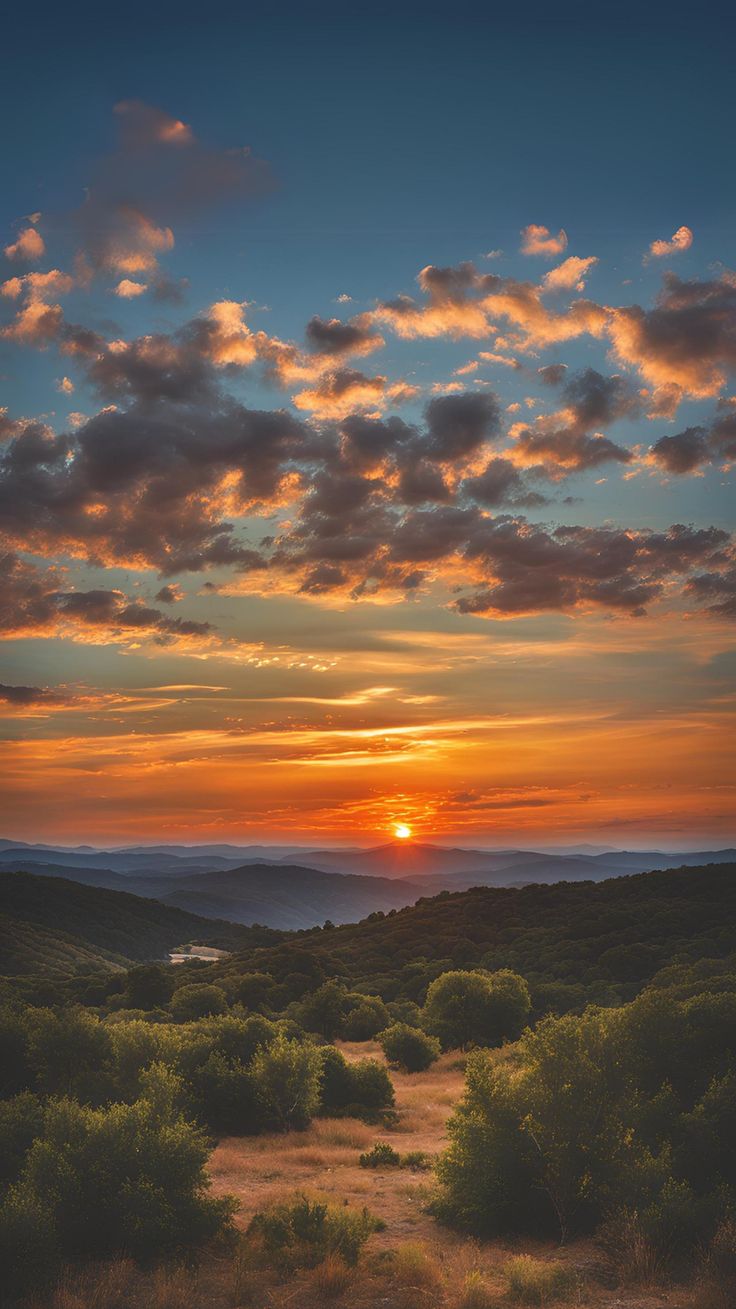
[(538, 240), (28, 247), (681, 240)]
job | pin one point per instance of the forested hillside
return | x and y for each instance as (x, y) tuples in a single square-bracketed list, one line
[(51, 925), (574, 942)]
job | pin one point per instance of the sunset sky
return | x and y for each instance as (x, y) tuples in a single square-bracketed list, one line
[(368, 425)]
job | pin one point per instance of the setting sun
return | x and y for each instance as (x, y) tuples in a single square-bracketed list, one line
[(402, 832)]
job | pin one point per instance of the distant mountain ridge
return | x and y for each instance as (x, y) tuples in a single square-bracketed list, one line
[(341, 885)]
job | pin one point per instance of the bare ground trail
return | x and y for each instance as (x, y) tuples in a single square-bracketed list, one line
[(324, 1159)]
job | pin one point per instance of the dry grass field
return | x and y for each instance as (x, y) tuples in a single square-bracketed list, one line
[(413, 1263)]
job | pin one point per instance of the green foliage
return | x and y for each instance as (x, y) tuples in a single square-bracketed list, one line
[(357, 1090), (595, 1116), (97, 1182), (197, 1000), (476, 1008), (557, 937), (21, 1121), (365, 1020), (301, 1233), (148, 987), (409, 1048), (287, 1077), (382, 1155)]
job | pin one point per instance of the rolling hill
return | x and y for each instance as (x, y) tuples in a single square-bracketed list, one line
[(574, 942), (51, 925)]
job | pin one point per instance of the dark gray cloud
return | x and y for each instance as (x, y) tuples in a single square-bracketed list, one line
[(684, 452), (458, 424), (331, 336), (32, 601)]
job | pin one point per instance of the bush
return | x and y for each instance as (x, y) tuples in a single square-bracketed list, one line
[(533, 1281), (408, 1048), (332, 1278), (476, 1008), (286, 1076), (355, 1090), (365, 1020), (598, 1115), (21, 1121), (197, 1000), (417, 1160), (720, 1265), (301, 1233), (382, 1155), (99, 1182)]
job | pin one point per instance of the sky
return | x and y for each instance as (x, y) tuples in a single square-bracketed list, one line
[(367, 425)]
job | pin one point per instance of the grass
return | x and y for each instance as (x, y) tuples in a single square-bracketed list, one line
[(538, 1282), (414, 1263)]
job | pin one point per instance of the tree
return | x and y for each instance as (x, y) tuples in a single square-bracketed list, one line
[(366, 1019), (147, 987), (408, 1048), (323, 1011), (99, 1182), (286, 1076), (476, 1008), (197, 1000)]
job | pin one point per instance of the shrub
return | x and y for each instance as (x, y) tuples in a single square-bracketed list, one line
[(631, 1254), (476, 1008), (332, 1278), (417, 1160), (408, 1047), (535, 1282), (365, 1020), (99, 1182), (21, 1121), (382, 1155), (197, 1000), (286, 1076), (303, 1232), (720, 1265), (355, 1090)]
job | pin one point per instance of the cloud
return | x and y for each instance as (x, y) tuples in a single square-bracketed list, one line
[(346, 391), (687, 340), (129, 290), (38, 287), (500, 483), (333, 337), (681, 240), (22, 696), (538, 240), (570, 275), (536, 568), (34, 602), (556, 452), (170, 594), (682, 453), (160, 173), (28, 247)]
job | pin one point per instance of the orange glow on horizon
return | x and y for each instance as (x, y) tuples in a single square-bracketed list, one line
[(402, 832)]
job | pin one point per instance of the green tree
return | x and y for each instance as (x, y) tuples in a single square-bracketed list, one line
[(286, 1076), (197, 1000), (408, 1047), (476, 1008)]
